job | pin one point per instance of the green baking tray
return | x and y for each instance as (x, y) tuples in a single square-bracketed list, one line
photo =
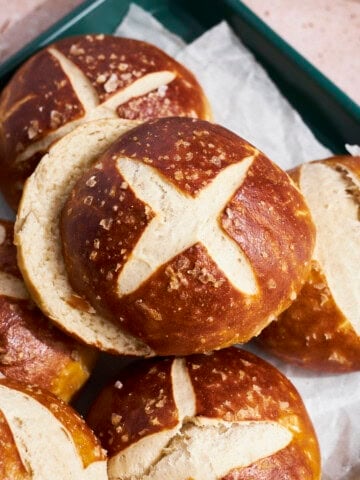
[(333, 116)]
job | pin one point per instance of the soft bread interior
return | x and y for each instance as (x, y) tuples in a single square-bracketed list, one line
[(197, 447), (333, 197), (210, 452), (181, 221), (38, 239), (79, 81), (45, 446)]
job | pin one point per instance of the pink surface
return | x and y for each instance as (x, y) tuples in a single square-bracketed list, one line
[(23, 20), (326, 32)]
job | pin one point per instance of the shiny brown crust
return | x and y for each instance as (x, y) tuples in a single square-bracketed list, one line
[(38, 88), (103, 220), (40, 99), (143, 395), (129, 60), (240, 386), (313, 332), (85, 441), (230, 385), (32, 350), (280, 466)]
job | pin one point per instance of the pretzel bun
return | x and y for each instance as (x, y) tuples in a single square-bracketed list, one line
[(181, 235), (32, 350), (41, 437), (78, 79), (228, 415), (321, 329)]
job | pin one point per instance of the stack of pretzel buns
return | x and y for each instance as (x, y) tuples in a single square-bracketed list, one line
[(143, 229)]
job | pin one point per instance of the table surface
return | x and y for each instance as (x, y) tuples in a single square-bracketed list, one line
[(326, 32)]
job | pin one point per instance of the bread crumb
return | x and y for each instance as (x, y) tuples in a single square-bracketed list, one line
[(161, 91), (115, 419), (88, 200), (337, 357), (148, 311), (201, 133), (93, 255), (293, 296), (271, 284), (219, 372), (123, 66), (75, 50), (160, 403), (154, 421), (194, 366), (176, 279), (118, 385), (112, 83), (216, 161), (101, 78), (91, 182), (125, 77), (106, 223), (56, 119), (33, 130), (181, 143), (206, 277)]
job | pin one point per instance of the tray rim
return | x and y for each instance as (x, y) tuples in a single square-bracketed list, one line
[(73, 17), (341, 115)]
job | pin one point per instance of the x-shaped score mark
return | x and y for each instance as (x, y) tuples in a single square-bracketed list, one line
[(181, 221), (89, 99)]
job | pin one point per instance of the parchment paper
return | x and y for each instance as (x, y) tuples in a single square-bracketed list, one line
[(245, 100)]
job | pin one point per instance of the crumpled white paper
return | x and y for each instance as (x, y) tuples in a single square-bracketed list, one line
[(242, 96), (245, 100), (353, 149)]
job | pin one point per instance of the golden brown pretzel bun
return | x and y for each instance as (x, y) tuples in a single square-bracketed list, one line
[(32, 350), (81, 78), (182, 234), (321, 329), (41, 438), (228, 415)]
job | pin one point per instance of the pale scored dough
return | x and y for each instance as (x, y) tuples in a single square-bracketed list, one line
[(181, 221), (44, 444), (198, 447), (87, 95)]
